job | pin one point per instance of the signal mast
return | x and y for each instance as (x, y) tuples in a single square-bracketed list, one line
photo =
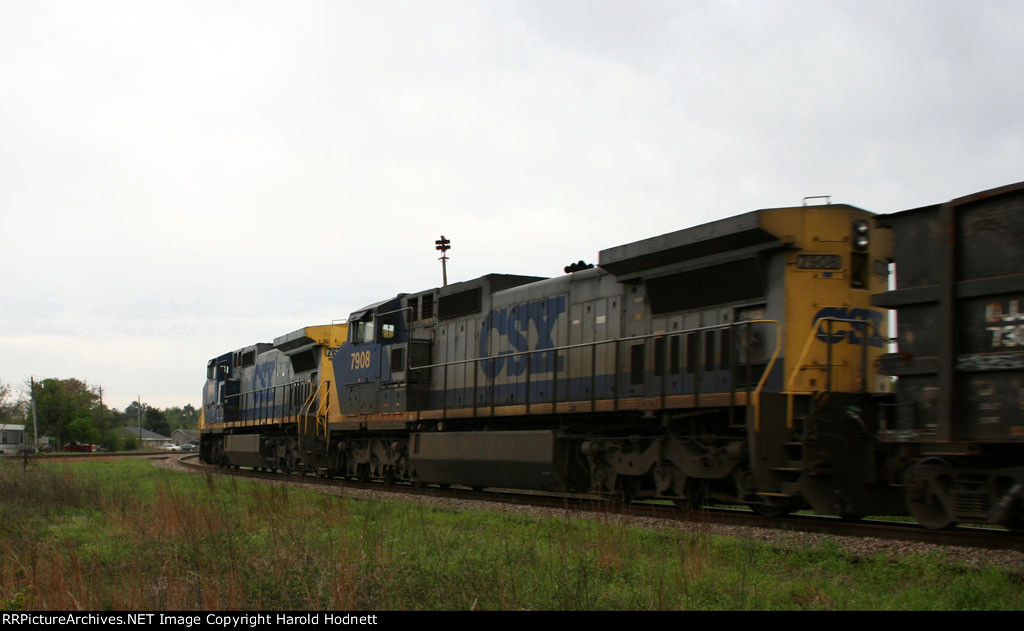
[(443, 245)]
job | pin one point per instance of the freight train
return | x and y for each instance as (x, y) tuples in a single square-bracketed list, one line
[(743, 361)]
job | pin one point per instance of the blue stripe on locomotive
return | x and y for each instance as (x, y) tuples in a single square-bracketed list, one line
[(577, 389)]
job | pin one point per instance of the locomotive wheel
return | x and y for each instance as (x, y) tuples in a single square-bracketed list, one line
[(772, 510), (626, 488), (696, 496)]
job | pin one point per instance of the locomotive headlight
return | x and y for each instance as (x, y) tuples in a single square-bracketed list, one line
[(861, 238)]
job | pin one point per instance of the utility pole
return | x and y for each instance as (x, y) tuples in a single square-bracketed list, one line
[(103, 422), (35, 428), (140, 421), (443, 245)]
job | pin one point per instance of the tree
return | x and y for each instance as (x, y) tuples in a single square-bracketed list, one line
[(11, 410), (59, 402), (182, 417), (156, 421), (106, 420), (131, 414), (82, 429)]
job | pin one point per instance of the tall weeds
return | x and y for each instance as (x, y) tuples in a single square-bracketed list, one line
[(126, 537)]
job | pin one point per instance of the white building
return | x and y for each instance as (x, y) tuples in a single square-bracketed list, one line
[(12, 439)]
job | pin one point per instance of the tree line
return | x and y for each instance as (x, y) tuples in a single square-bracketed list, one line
[(72, 410)]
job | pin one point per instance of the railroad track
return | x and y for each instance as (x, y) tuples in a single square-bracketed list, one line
[(56, 456), (971, 537)]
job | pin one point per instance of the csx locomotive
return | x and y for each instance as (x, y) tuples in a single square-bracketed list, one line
[(743, 361)]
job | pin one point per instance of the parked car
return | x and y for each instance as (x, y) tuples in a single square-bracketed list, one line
[(169, 447), (187, 447), (77, 446)]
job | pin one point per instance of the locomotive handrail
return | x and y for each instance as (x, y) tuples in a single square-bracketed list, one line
[(258, 390), (325, 407), (799, 365), (308, 405), (255, 410), (558, 349), (756, 393), (767, 371)]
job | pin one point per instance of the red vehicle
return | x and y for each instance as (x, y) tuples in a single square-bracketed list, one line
[(77, 446)]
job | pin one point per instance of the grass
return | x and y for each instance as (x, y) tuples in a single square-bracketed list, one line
[(125, 535)]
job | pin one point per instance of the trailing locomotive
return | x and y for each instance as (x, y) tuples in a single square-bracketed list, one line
[(734, 362)]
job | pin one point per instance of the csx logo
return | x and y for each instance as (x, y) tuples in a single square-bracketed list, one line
[(851, 332), (262, 379), (514, 324)]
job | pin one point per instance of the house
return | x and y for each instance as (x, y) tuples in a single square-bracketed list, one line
[(149, 440), (12, 439), (182, 436)]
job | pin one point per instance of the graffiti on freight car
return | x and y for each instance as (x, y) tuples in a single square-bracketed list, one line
[(851, 332), (1005, 324), (990, 362), (513, 324)]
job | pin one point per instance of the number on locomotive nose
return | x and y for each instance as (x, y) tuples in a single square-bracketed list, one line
[(360, 360)]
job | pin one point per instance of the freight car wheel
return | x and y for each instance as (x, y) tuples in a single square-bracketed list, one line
[(1015, 524), (929, 512), (926, 484)]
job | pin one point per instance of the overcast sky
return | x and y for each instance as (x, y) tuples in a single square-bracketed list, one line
[(179, 179)]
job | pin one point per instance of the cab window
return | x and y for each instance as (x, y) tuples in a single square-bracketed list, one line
[(363, 332)]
